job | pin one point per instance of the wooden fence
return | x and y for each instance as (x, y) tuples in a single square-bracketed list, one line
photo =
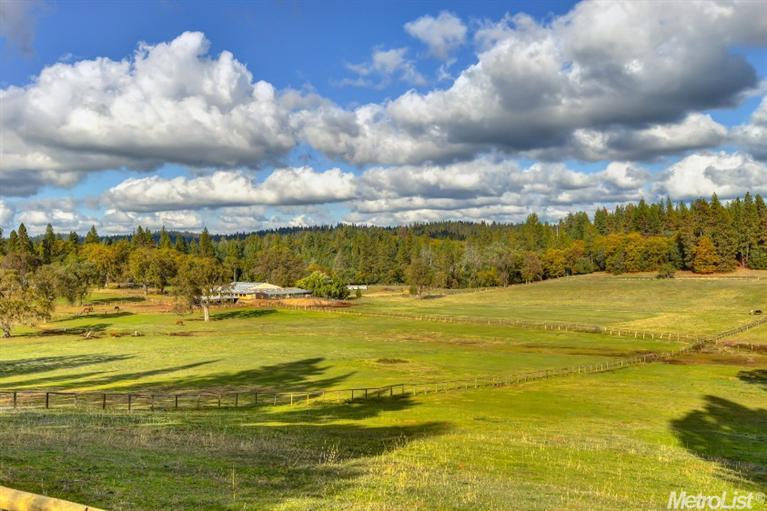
[(145, 401), (16, 500), (133, 401), (521, 323)]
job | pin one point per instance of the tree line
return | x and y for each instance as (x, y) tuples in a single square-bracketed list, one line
[(702, 236)]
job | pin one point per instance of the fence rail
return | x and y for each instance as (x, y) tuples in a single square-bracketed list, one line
[(523, 323), (17, 500), (134, 401)]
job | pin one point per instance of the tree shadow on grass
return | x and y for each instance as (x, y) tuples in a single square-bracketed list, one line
[(104, 378), (94, 315), (730, 434), (78, 330), (242, 314), (755, 377), (253, 458), (26, 366), (325, 412), (211, 460), (106, 315), (295, 375)]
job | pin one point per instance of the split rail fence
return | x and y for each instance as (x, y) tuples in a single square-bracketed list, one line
[(134, 401), (522, 323)]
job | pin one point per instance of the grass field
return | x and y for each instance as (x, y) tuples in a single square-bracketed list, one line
[(676, 305), (619, 440), (245, 348)]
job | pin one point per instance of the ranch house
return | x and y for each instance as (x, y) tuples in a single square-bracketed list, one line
[(263, 290)]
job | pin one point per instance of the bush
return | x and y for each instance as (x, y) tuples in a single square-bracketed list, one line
[(583, 266), (324, 286), (666, 271)]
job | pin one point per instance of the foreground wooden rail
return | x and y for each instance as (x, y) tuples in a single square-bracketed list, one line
[(16, 500)]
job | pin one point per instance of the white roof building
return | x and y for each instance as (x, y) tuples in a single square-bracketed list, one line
[(249, 288)]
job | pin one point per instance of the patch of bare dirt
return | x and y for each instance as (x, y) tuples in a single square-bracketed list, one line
[(298, 302)]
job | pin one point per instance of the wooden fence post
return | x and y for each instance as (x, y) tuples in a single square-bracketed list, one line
[(14, 399), (129, 402), (103, 401), (47, 397)]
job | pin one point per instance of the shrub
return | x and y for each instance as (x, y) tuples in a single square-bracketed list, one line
[(324, 286), (666, 271)]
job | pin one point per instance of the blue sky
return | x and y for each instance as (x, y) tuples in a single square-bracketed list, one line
[(288, 43), (374, 112)]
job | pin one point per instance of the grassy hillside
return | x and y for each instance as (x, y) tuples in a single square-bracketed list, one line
[(615, 441), (677, 305), (620, 440), (244, 348)]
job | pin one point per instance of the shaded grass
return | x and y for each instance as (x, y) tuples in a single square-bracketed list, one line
[(619, 440), (244, 346), (621, 445)]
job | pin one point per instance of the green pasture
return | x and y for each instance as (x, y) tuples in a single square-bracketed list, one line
[(284, 349), (682, 305), (618, 440)]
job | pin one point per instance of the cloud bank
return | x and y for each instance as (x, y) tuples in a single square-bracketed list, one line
[(626, 84)]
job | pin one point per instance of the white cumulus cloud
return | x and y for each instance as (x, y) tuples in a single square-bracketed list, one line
[(441, 35), (285, 186), (171, 102), (606, 79), (384, 67), (727, 174), (753, 136)]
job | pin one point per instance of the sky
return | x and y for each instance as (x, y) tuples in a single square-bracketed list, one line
[(242, 116)]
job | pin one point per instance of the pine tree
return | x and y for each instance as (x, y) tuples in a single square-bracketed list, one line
[(147, 240), (206, 246), (180, 244), (13, 242), (750, 226), (721, 229), (92, 236), (164, 238), (761, 214), (47, 245), (24, 244), (533, 236)]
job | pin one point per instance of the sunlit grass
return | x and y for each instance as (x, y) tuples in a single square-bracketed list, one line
[(620, 440)]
